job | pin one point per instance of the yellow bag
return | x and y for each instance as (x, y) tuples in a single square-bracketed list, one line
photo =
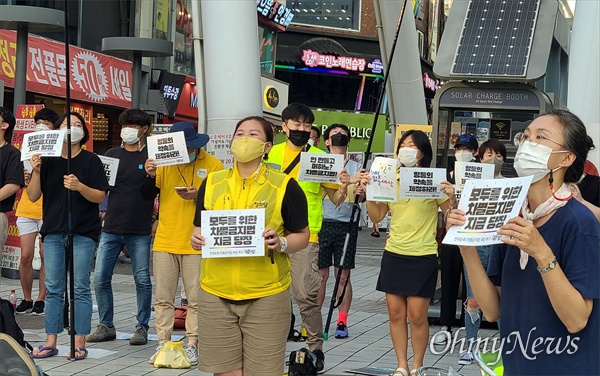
[(172, 355)]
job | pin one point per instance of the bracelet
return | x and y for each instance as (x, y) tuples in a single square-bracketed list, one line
[(284, 244)]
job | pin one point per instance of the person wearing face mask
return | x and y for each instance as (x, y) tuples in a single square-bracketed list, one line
[(409, 266), (466, 149), (297, 124), (543, 280), (493, 152), (29, 223), (87, 183), (244, 309), (177, 186), (127, 223), (335, 226), (315, 136)]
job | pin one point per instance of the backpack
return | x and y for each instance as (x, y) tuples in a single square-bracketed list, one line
[(15, 360), (302, 363), (8, 324)]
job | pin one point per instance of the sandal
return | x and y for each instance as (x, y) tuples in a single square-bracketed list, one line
[(52, 351), (81, 350), (376, 234), (414, 372), (400, 372)]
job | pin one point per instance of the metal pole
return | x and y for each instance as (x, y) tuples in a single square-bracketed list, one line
[(356, 198), (21, 69), (199, 65), (136, 79)]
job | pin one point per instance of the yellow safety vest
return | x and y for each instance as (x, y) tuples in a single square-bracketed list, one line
[(311, 190), (241, 278)]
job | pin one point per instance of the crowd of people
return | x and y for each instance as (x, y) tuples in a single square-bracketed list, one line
[(548, 261)]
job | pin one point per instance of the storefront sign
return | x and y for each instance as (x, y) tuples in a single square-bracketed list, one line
[(376, 66), (275, 95), (273, 15), (267, 50), (188, 105), (95, 77), (315, 59), (430, 83), (500, 129), (171, 89), (468, 96)]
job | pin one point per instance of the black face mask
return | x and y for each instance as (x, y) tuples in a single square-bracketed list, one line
[(298, 138), (339, 139)]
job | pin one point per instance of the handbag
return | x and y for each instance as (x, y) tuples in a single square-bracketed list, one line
[(180, 315), (172, 355)]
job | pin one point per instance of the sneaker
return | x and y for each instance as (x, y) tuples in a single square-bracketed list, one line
[(442, 336), (24, 307), (192, 353), (140, 337), (466, 358), (38, 308), (320, 364), (158, 348), (341, 331), (103, 333)]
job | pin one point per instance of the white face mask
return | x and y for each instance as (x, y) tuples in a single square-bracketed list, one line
[(129, 135), (311, 142), (463, 156), (76, 135), (41, 128), (533, 160), (408, 156)]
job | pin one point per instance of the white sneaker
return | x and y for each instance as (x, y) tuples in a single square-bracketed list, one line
[(192, 353), (466, 358), (442, 336), (160, 345)]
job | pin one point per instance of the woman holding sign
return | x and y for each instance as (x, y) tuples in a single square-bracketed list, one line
[(244, 304), (409, 266), (547, 267), (87, 183)]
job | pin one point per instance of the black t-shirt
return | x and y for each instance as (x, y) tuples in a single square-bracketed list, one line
[(89, 170), (292, 207), (11, 172), (128, 212), (590, 189)]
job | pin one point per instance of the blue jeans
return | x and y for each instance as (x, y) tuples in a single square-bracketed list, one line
[(108, 253), (473, 317), (54, 260)]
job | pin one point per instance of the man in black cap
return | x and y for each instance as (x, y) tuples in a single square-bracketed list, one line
[(173, 253)]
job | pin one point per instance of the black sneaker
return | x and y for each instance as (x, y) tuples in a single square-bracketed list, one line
[(38, 308), (24, 307), (320, 364)]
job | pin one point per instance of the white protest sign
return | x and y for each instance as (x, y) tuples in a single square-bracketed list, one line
[(45, 143), (111, 166), (233, 233), (421, 182), (320, 168), (488, 205), (471, 170), (168, 149), (382, 186)]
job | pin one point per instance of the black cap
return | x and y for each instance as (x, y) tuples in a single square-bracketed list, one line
[(467, 140)]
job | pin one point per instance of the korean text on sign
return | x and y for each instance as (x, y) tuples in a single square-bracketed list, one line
[(168, 149), (46, 143), (233, 233), (111, 166), (471, 170), (488, 204), (383, 184), (320, 168), (421, 182)]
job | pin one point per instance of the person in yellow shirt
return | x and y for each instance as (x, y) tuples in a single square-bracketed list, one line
[(29, 223), (244, 309), (173, 254), (409, 264)]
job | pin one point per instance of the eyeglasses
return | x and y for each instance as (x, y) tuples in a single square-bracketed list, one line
[(521, 137)]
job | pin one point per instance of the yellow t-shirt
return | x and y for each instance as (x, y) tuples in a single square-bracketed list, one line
[(289, 155), (176, 215), (414, 226), (28, 209)]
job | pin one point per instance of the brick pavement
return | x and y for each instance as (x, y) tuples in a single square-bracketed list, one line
[(369, 344)]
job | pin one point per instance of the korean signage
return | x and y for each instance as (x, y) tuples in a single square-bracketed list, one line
[(95, 77), (315, 59), (171, 89), (274, 15), (471, 170), (220, 147), (275, 95), (488, 205), (46, 143), (421, 182), (111, 166), (168, 149), (233, 233), (320, 168), (383, 184)]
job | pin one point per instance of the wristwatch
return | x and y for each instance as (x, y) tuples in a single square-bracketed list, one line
[(284, 244), (551, 265)]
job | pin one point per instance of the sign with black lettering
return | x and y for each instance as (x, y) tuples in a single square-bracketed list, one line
[(500, 129), (488, 204), (471, 170), (45, 143), (421, 182), (383, 185), (111, 166), (233, 233), (168, 149), (320, 168)]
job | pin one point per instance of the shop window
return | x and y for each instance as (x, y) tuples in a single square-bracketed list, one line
[(339, 14)]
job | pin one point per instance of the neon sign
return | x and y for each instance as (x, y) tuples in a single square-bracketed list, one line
[(314, 59)]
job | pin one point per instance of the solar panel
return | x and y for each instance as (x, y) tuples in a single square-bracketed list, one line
[(496, 38)]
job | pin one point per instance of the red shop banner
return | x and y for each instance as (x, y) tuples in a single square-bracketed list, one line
[(95, 77)]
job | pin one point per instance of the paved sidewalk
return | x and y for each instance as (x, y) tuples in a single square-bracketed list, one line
[(369, 344)]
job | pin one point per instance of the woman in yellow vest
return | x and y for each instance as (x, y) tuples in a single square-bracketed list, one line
[(244, 303), (409, 265)]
